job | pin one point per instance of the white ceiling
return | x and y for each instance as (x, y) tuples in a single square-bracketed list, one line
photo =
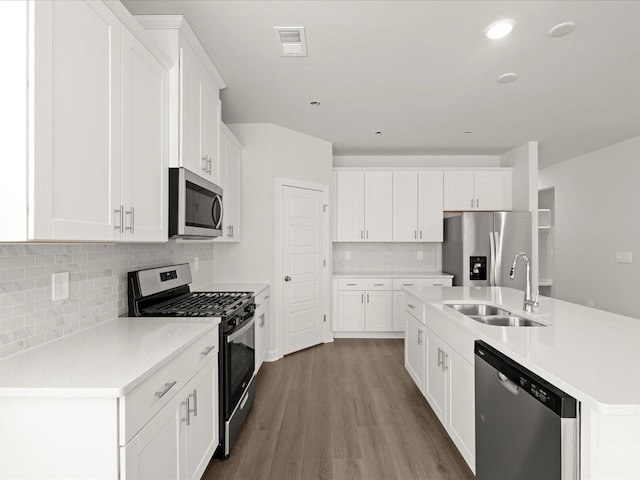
[(422, 72)]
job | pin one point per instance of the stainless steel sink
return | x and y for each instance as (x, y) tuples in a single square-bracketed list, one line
[(479, 309), (493, 315), (506, 321)]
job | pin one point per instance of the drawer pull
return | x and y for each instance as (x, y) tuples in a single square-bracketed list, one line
[(207, 351), (167, 387), (407, 284), (410, 306), (437, 284), (351, 284), (267, 297), (378, 284)]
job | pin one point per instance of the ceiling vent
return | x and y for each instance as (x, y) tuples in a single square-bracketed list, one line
[(291, 41)]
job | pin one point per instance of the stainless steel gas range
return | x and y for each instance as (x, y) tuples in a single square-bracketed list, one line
[(165, 292)]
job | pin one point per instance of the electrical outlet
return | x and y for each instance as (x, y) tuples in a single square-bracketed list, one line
[(347, 255), (59, 286), (624, 257), (590, 303), (420, 255), (196, 263)]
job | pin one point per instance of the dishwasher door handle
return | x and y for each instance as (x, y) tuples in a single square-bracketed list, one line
[(511, 386)]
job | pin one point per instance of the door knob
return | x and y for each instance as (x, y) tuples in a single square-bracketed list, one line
[(287, 278)]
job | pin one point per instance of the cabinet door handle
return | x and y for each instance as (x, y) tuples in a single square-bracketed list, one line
[(367, 298), (439, 356), (410, 306), (131, 224), (167, 386), (120, 211), (477, 202), (420, 234), (204, 163), (209, 163), (419, 337), (445, 363), (230, 231), (367, 236), (415, 234), (361, 234), (207, 350), (266, 298), (362, 298), (262, 320), (186, 420), (194, 394), (472, 203)]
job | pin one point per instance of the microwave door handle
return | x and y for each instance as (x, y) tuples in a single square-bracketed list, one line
[(217, 224)]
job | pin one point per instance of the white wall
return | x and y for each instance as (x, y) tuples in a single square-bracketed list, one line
[(596, 201), (367, 161), (269, 152), (524, 161)]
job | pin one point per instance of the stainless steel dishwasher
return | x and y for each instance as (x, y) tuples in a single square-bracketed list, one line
[(526, 428)]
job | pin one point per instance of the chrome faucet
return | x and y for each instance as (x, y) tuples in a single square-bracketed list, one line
[(529, 303)]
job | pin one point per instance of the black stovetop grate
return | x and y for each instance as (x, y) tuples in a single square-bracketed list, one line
[(201, 303)]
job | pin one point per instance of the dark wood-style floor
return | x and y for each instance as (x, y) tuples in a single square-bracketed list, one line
[(343, 410)]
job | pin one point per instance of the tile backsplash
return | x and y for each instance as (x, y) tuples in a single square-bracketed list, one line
[(97, 285), (387, 257)]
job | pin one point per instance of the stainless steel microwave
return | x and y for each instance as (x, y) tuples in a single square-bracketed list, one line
[(195, 206)]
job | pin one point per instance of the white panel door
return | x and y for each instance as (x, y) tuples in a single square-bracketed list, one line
[(414, 350), (302, 255), (461, 408), (77, 102), (435, 383), (378, 206), (405, 206), (200, 432), (349, 206), (430, 207), (145, 93), (458, 190), (379, 311), (351, 311)]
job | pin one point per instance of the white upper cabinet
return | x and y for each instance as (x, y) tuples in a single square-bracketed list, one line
[(230, 158), (72, 179), (145, 142), (417, 206), (364, 206), (349, 186), (195, 96), (378, 206), (477, 189)]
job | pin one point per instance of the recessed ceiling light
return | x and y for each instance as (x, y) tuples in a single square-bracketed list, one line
[(507, 77), (378, 133), (561, 29), (500, 29), (315, 104)]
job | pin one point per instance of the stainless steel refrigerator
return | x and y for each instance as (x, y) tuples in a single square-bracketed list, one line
[(478, 247)]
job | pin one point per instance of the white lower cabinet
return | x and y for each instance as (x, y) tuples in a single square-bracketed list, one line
[(446, 376), (398, 295), (364, 305), (262, 327), (414, 349)]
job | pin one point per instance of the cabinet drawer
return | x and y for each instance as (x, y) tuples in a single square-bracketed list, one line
[(364, 284), (414, 307), (262, 298), (398, 283), (147, 399)]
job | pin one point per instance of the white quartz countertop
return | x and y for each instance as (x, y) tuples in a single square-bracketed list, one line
[(591, 354), (392, 274), (256, 288), (107, 360)]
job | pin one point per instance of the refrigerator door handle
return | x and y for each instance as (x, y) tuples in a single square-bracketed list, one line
[(492, 269)]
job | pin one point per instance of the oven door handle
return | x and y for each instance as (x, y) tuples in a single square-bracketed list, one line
[(240, 332)]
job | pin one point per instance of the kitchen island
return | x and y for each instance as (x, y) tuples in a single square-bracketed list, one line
[(590, 354)]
